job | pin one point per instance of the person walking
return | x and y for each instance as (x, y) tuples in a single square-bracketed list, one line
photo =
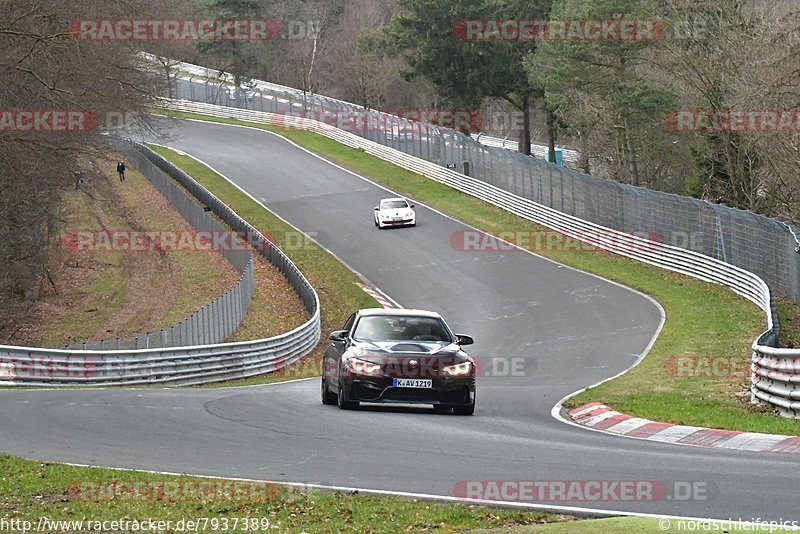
[(78, 180), (121, 170)]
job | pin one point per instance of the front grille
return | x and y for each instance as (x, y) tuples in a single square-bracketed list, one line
[(411, 395), (365, 393)]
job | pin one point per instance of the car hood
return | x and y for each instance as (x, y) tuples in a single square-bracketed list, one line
[(427, 348)]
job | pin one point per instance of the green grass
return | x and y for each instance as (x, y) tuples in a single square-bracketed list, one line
[(703, 319), (627, 525), (32, 490), (789, 318)]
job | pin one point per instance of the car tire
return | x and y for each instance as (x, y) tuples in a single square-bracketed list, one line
[(468, 409), (345, 404), (375, 221), (328, 398), (441, 408)]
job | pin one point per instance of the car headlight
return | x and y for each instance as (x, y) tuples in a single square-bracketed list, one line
[(361, 367), (383, 215), (459, 369)]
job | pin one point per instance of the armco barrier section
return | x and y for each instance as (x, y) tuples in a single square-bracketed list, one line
[(753, 242), (539, 151), (665, 256), (292, 94), (215, 321), (775, 379), (175, 366)]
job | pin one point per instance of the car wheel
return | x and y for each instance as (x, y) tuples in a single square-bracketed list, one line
[(328, 398), (441, 408), (375, 221), (345, 404), (469, 409)]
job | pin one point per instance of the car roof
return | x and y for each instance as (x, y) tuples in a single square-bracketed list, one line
[(398, 312), (390, 199)]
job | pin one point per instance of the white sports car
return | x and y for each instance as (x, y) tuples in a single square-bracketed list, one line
[(394, 212)]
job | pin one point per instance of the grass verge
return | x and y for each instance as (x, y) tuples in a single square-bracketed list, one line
[(631, 525), (32, 490), (65, 494), (703, 319)]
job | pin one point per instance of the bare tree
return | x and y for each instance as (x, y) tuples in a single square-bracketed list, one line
[(46, 70)]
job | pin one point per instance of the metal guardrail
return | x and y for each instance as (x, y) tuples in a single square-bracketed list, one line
[(779, 389), (540, 151), (775, 379), (175, 366)]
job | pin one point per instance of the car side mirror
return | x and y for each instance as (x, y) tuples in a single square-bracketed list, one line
[(339, 335), (412, 205), (376, 208), (462, 339)]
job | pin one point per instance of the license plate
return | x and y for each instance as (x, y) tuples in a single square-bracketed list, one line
[(412, 383)]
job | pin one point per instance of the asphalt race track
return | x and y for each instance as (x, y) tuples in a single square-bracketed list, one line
[(570, 330)]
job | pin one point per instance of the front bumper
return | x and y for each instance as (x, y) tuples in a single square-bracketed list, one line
[(449, 391), (403, 222)]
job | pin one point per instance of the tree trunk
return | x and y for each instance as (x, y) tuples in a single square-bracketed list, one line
[(167, 70), (633, 166), (526, 128), (551, 136)]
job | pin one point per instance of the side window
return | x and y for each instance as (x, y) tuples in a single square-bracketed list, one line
[(349, 324)]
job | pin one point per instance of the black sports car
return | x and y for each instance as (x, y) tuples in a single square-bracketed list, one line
[(398, 356)]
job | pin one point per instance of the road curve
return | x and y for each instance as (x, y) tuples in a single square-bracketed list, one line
[(571, 329)]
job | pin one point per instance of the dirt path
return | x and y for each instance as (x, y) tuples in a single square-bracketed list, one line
[(143, 271)]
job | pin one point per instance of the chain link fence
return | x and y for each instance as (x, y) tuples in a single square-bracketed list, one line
[(761, 245)]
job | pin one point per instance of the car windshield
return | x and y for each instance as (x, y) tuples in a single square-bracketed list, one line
[(394, 204), (389, 328)]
